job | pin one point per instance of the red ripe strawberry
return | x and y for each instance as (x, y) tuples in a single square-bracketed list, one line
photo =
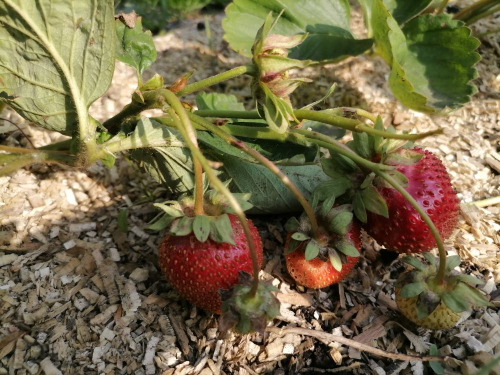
[(197, 270), (317, 273), (323, 257), (404, 230)]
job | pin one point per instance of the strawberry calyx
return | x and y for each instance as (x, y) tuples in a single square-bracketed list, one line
[(246, 312), (214, 224), (457, 291), (333, 242)]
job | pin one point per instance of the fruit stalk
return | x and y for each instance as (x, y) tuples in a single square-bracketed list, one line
[(442, 6), (266, 163), (475, 10), (179, 115), (326, 118), (210, 81)]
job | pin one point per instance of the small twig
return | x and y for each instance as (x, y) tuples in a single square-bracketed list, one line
[(486, 202), (316, 370), (353, 344), (24, 249), (19, 128)]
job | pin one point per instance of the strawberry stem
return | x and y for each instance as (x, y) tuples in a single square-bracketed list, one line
[(266, 163), (442, 6), (198, 188), (180, 116), (325, 118), (210, 81)]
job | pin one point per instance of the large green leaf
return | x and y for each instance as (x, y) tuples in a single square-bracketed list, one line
[(56, 58), (269, 194), (326, 21), (221, 102), (401, 10), (432, 59)]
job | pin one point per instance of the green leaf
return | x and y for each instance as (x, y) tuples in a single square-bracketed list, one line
[(340, 222), (134, 46), (182, 226), (452, 261), (412, 289), (56, 59), (374, 202), (122, 220), (358, 207), (335, 259), (403, 10), (432, 59), (312, 250), (326, 21), (435, 366), (221, 230), (201, 227), (347, 248), (298, 236), (269, 194), (414, 262), (221, 102)]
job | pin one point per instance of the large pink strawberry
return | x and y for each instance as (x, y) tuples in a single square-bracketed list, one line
[(404, 230)]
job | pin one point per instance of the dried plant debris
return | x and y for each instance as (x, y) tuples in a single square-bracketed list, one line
[(78, 295)]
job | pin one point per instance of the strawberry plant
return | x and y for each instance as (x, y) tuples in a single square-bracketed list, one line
[(57, 58)]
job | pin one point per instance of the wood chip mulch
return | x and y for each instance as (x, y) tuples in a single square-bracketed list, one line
[(80, 296)]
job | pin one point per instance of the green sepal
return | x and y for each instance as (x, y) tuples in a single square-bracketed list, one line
[(347, 248), (412, 290), (298, 236), (471, 295), (160, 222), (292, 246), (363, 144), (452, 261), (377, 139), (332, 188), (245, 312), (358, 207), (434, 365), (173, 209), (154, 83), (326, 207), (340, 222), (469, 279), (430, 258), (109, 160), (182, 226), (201, 227), (221, 230), (455, 301), (292, 225), (336, 163), (407, 278), (374, 202), (335, 259), (368, 181), (312, 250), (427, 302), (414, 262), (397, 175), (403, 157)]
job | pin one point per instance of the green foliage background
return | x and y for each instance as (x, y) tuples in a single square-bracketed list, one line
[(157, 13)]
